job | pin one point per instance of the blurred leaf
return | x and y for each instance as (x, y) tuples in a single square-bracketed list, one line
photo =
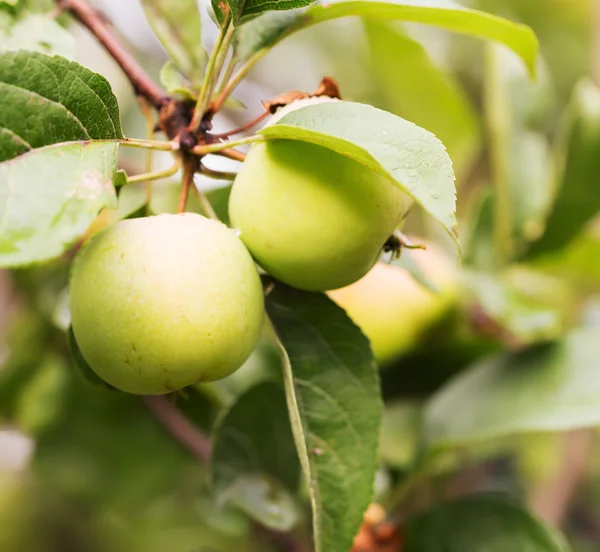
[(519, 157), (177, 25), (245, 10), (63, 101), (245, 470), (479, 241), (524, 317), (578, 165), (270, 29), (413, 157), (480, 522), (333, 397), (39, 33), (547, 387), (399, 434), (39, 404), (174, 82), (422, 92), (50, 196), (408, 262)]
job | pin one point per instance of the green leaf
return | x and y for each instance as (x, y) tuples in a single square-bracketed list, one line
[(177, 25), (547, 387), (332, 389), (430, 97), (174, 82), (62, 100), (39, 33), (442, 13), (50, 196), (245, 10), (413, 157), (245, 471), (480, 522), (578, 166)]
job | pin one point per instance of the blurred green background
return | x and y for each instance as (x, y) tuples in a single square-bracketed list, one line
[(85, 469)]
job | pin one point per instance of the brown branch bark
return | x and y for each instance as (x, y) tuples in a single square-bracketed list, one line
[(179, 426), (93, 21)]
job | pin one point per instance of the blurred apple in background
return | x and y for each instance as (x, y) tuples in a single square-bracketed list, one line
[(393, 309)]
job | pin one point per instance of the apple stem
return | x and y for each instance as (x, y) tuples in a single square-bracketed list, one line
[(187, 181), (247, 126), (154, 175), (216, 148)]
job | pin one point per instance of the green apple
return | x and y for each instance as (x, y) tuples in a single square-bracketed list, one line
[(163, 302), (393, 309), (313, 218)]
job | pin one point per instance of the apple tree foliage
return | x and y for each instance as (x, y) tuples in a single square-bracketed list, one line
[(289, 453)]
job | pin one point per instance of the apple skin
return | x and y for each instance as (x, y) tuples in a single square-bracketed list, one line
[(312, 218), (163, 302), (393, 309)]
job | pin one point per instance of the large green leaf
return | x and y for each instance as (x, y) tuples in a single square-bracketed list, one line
[(177, 25), (46, 100), (39, 33), (254, 455), (413, 157), (50, 196), (578, 166), (430, 97), (271, 28), (478, 523), (333, 397), (548, 387)]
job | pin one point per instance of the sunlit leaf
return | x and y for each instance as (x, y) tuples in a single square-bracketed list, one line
[(50, 196), (413, 157), (333, 397), (63, 101)]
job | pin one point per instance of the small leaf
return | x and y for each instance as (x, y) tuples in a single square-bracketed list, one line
[(63, 101), (269, 29), (480, 522), (245, 10), (39, 33), (578, 166), (244, 469), (177, 25), (547, 387), (413, 157), (50, 196), (332, 389), (174, 82), (430, 98)]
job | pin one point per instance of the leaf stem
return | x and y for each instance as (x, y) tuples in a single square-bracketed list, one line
[(206, 205), (232, 154), (154, 175), (142, 84), (219, 175), (215, 148), (213, 70), (148, 144), (235, 80)]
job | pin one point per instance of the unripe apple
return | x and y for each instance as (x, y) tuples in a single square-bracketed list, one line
[(163, 302), (393, 309), (311, 217)]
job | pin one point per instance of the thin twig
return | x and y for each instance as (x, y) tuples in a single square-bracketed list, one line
[(189, 168), (243, 128), (147, 144), (141, 82), (179, 426)]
